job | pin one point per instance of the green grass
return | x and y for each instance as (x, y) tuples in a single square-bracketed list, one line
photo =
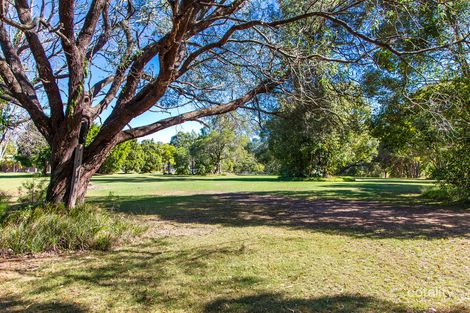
[(12, 181), (257, 244), (152, 185)]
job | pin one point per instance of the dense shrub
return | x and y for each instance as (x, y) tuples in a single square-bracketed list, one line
[(439, 194), (55, 228), (454, 173)]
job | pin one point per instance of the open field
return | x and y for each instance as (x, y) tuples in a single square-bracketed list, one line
[(257, 244)]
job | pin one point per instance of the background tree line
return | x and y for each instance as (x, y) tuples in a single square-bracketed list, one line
[(223, 146)]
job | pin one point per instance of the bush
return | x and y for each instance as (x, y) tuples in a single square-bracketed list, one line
[(454, 175), (55, 228), (33, 191), (439, 194), (444, 193)]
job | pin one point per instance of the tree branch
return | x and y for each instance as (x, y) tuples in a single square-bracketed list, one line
[(264, 87), (42, 64), (91, 19)]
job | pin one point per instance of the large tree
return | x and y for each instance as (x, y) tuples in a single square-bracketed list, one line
[(66, 62)]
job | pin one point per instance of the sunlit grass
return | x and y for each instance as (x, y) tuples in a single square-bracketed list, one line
[(235, 244)]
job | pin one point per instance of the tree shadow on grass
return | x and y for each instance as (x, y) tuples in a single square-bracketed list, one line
[(344, 303), (14, 304), (130, 279), (138, 277), (152, 277), (359, 218), (155, 277)]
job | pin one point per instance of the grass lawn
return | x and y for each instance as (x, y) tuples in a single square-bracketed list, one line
[(257, 244)]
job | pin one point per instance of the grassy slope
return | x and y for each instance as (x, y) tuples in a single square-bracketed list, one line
[(200, 258)]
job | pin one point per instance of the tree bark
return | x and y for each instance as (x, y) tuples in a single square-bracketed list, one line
[(62, 170), (59, 188), (61, 173)]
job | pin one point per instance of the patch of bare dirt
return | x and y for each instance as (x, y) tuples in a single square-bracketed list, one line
[(409, 219), (12, 267), (158, 228)]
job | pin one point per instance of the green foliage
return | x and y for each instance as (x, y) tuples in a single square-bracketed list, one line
[(33, 191), (454, 173), (10, 165), (451, 134), (402, 153), (216, 149), (32, 148), (152, 154), (183, 161), (135, 158), (222, 147), (10, 119), (421, 127), (116, 159), (184, 158), (245, 162), (321, 132), (429, 134), (439, 194), (4, 200), (92, 133), (183, 140), (259, 147), (213, 149), (168, 157), (55, 228)]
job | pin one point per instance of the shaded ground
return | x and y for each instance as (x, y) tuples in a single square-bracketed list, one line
[(345, 303), (373, 219)]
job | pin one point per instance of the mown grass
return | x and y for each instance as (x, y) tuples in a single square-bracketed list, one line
[(257, 244), (10, 182)]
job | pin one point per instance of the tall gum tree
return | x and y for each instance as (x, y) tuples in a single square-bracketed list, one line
[(68, 62)]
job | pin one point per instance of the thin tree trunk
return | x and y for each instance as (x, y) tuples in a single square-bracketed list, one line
[(44, 169)]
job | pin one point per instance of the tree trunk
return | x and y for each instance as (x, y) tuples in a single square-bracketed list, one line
[(59, 188), (61, 174), (44, 169)]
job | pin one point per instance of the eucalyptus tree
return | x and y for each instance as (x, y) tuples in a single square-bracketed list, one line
[(69, 63)]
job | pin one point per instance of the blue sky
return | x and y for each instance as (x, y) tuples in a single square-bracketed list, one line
[(166, 134), (151, 117)]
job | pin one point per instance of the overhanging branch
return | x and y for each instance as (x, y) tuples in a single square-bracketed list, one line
[(264, 87)]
